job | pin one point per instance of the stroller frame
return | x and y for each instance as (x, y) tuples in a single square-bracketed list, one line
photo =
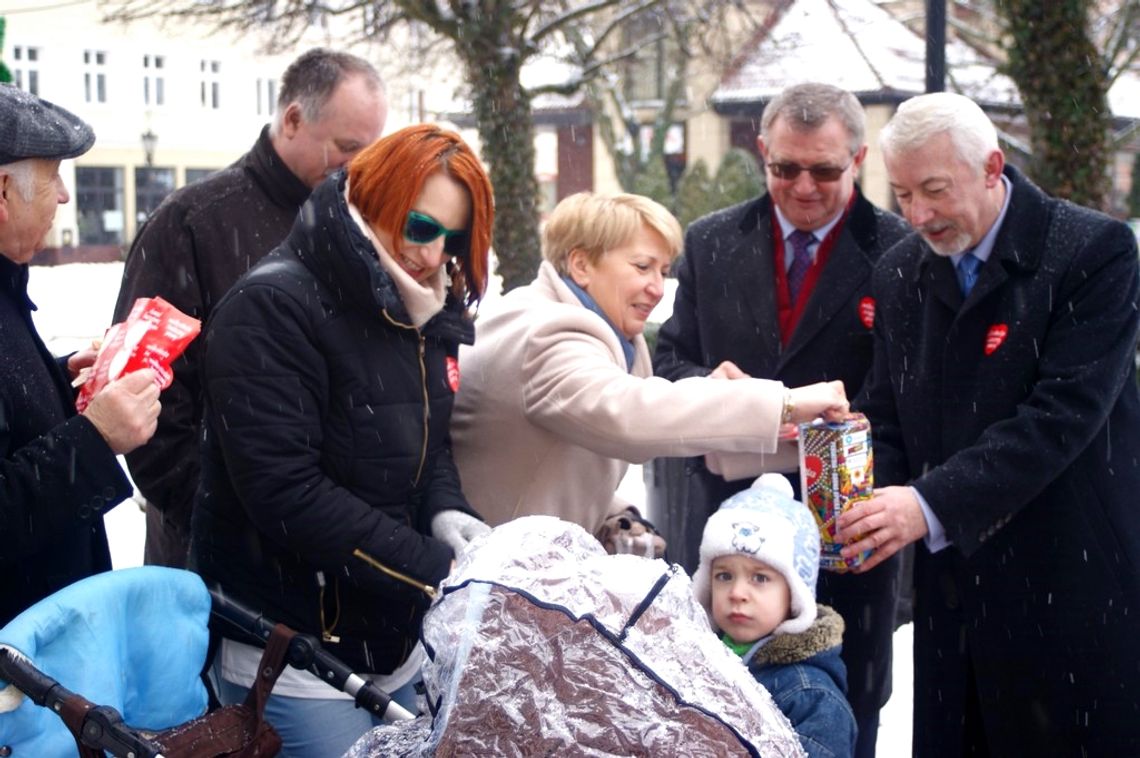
[(226, 731)]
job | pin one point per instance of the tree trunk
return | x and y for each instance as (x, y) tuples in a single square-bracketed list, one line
[(505, 123), (1063, 85)]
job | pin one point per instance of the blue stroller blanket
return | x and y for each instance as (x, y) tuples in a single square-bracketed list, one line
[(134, 639)]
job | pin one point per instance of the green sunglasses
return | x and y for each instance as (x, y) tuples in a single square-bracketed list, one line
[(423, 229)]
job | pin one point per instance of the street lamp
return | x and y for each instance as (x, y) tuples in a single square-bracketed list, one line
[(149, 140)]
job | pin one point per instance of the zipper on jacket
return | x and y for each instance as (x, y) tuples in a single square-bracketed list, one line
[(427, 406), (422, 352), (427, 589), (326, 628)]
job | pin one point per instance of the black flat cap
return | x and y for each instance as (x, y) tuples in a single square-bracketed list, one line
[(34, 128)]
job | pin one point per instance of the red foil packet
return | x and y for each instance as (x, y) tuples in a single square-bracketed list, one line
[(153, 335), (836, 475)]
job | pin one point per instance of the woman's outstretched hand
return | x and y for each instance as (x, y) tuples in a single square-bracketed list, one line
[(827, 399)]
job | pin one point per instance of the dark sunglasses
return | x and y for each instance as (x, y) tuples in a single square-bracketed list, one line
[(790, 171), (423, 229)]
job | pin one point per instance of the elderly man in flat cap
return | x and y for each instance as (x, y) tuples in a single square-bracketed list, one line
[(58, 471)]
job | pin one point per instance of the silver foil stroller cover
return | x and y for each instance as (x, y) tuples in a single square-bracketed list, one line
[(541, 643)]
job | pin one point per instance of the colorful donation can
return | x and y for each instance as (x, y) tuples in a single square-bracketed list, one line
[(836, 474)]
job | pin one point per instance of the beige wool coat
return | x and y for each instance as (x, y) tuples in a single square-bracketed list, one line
[(547, 418)]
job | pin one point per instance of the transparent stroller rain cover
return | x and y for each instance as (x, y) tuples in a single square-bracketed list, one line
[(540, 643)]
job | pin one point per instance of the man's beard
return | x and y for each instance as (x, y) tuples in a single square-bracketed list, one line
[(956, 243)]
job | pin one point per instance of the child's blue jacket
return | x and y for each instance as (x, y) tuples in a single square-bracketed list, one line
[(808, 681)]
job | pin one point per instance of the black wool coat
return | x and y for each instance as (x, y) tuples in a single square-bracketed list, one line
[(725, 305), (190, 252), (326, 448), (725, 309), (1016, 414), (57, 474)]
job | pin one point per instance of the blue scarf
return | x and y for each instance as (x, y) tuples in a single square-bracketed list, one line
[(581, 294)]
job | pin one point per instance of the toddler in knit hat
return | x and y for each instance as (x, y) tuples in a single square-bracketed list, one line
[(759, 560)]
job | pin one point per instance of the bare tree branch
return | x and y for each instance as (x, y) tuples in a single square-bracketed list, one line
[(571, 15)]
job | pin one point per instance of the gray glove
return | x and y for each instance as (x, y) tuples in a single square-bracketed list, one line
[(456, 528)]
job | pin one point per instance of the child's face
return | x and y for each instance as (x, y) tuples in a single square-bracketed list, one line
[(749, 598)]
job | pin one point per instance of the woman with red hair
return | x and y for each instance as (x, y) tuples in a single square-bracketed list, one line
[(329, 499)]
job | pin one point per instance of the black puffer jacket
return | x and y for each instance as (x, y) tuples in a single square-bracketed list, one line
[(57, 474), (326, 448), (190, 252)]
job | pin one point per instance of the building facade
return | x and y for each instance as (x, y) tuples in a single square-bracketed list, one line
[(168, 104)]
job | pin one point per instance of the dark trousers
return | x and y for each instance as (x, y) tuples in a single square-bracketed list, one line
[(868, 604)]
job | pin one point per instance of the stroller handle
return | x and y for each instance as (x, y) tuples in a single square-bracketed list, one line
[(96, 726), (306, 654)]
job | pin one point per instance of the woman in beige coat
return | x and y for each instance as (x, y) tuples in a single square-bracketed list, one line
[(557, 396)]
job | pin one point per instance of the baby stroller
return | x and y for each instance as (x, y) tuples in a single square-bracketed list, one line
[(115, 661), (541, 643)]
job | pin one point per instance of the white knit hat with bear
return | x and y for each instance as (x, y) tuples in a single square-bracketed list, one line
[(765, 522)]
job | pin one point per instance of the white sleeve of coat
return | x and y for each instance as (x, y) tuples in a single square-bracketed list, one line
[(574, 386), (733, 466)]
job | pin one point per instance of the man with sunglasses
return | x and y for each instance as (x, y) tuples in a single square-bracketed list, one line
[(779, 288), (203, 237)]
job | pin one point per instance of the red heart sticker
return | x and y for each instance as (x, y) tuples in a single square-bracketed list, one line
[(813, 465), (994, 337), (453, 373), (867, 311)]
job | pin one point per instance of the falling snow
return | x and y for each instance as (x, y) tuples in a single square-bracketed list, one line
[(75, 304)]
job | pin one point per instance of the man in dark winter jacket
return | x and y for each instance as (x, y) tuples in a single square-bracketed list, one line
[(1004, 405), (780, 288), (58, 472), (208, 234)]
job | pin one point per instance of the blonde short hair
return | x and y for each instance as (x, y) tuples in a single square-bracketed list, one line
[(597, 222)]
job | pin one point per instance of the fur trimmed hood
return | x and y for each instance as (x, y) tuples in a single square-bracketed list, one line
[(825, 633)]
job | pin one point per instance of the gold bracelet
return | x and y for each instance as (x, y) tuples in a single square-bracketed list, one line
[(789, 408)]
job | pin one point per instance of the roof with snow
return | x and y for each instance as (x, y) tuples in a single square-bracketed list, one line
[(859, 46)]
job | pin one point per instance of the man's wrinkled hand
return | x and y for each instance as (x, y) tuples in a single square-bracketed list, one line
[(885, 524), (125, 412), (81, 361)]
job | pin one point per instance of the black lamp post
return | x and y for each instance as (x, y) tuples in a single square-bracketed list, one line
[(935, 45), (149, 140)]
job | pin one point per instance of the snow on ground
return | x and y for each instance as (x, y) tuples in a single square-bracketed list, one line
[(75, 304)]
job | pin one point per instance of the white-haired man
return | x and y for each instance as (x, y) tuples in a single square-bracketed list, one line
[(1004, 406), (58, 472), (206, 235)]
